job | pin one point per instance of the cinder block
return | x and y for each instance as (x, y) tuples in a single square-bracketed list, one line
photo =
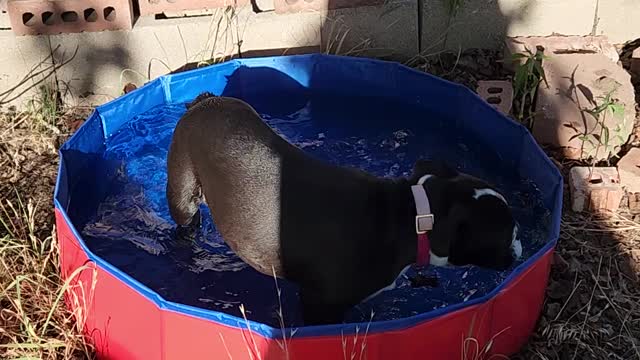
[(484, 24), (596, 191), (387, 31), (151, 7), (498, 93), (289, 6), (34, 17), (276, 34), (618, 19)]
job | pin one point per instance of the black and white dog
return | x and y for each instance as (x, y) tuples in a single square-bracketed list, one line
[(339, 233)]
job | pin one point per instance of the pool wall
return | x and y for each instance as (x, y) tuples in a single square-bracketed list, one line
[(126, 320)]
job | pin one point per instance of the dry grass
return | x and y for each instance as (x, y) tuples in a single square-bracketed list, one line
[(34, 323), (592, 310)]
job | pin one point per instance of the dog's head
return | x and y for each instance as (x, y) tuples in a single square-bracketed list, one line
[(473, 223)]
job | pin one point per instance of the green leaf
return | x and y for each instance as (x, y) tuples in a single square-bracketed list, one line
[(520, 79), (540, 70), (617, 109), (605, 133), (518, 56), (580, 136)]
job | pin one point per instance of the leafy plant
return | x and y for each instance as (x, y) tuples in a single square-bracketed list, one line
[(528, 76), (608, 104)]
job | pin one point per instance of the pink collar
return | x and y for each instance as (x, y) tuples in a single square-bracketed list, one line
[(424, 221)]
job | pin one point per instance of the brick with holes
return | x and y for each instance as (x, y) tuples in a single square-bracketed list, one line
[(37, 17), (152, 7), (597, 190), (498, 93)]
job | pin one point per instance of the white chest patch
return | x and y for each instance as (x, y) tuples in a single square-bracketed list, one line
[(477, 193), (436, 260), (516, 245)]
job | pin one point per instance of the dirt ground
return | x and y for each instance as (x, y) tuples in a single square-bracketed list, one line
[(592, 310)]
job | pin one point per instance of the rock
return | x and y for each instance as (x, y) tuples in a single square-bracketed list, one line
[(629, 170), (596, 192), (576, 84), (558, 44), (635, 62)]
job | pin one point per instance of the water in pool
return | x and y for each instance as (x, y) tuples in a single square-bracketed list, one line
[(131, 228)]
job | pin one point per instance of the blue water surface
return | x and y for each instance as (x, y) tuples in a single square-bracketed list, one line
[(131, 227)]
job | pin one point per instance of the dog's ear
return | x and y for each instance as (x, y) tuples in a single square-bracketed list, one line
[(432, 167)]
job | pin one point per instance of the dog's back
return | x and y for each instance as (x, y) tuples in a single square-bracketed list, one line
[(222, 152)]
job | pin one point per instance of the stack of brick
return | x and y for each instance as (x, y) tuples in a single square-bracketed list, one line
[(37, 17)]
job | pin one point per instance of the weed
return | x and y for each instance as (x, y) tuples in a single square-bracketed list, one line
[(601, 135), (528, 76), (453, 8), (34, 323)]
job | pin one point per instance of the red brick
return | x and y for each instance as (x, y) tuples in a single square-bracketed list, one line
[(35, 17), (151, 7), (498, 93), (292, 6), (598, 193)]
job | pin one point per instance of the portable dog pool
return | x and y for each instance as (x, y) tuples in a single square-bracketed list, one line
[(140, 294)]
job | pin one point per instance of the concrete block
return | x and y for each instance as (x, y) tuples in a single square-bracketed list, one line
[(549, 17), (478, 24), (619, 20), (485, 23), (387, 31), (576, 83), (629, 169), (104, 62), (595, 191), (559, 44), (289, 6), (35, 17), (20, 55), (278, 34), (151, 7), (498, 93)]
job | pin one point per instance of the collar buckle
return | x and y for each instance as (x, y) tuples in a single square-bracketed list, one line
[(424, 223)]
